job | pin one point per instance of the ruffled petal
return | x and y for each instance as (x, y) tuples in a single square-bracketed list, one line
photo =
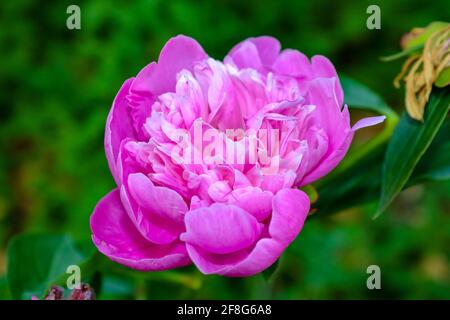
[(257, 53), (118, 127), (157, 222), (323, 68), (116, 237), (179, 53), (162, 201), (293, 63), (290, 209), (253, 200), (221, 229)]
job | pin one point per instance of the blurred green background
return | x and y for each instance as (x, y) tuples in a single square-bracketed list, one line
[(57, 86)]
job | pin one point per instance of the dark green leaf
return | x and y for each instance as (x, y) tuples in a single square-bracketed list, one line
[(444, 78), (268, 273), (409, 142), (4, 289), (356, 185), (358, 95), (36, 261), (361, 183), (435, 164)]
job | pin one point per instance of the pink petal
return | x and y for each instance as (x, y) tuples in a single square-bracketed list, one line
[(334, 122), (367, 122), (221, 228), (162, 201), (179, 53), (290, 209), (323, 68), (268, 48), (253, 200), (118, 127), (116, 237), (258, 53), (156, 228), (293, 63)]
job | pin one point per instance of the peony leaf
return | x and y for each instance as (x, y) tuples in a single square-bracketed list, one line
[(358, 95), (35, 262), (443, 79), (361, 183), (435, 164), (4, 289), (270, 273), (409, 142)]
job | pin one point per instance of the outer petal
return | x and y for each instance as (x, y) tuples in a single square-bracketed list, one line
[(293, 63), (221, 229), (253, 200), (156, 220), (334, 122), (118, 127), (116, 237), (290, 209), (159, 200), (259, 53), (323, 68), (179, 53), (141, 98), (367, 122)]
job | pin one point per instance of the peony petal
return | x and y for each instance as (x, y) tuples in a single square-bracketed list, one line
[(268, 48), (258, 53), (367, 122), (116, 237), (323, 68), (253, 200), (142, 96), (293, 63), (162, 201), (157, 228), (334, 123), (179, 53), (118, 127), (221, 229), (290, 209)]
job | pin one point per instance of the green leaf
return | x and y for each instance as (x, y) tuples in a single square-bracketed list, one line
[(4, 289), (443, 79), (409, 142), (361, 183), (435, 164), (354, 186), (267, 274), (357, 95), (35, 262)]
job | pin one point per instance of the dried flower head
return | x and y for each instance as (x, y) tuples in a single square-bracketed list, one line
[(421, 70)]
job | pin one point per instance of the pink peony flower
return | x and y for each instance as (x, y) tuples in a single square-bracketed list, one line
[(231, 207)]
